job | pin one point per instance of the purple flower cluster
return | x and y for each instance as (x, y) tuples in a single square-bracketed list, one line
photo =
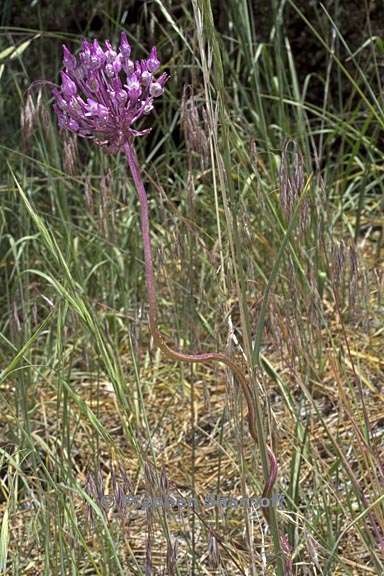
[(104, 93)]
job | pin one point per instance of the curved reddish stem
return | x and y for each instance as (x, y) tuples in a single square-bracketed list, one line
[(204, 358)]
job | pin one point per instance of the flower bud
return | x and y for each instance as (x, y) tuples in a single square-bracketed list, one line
[(85, 54), (133, 88), (163, 79), (128, 66), (69, 59), (78, 73), (110, 53), (68, 86), (96, 109), (109, 71), (97, 55), (122, 96), (125, 47), (117, 64), (156, 89), (153, 62), (97, 50), (146, 77)]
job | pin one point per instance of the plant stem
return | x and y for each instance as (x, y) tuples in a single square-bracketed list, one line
[(203, 358)]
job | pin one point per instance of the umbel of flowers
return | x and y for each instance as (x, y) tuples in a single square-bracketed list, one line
[(104, 92)]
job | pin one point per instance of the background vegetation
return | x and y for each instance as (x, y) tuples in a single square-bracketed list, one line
[(265, 175)]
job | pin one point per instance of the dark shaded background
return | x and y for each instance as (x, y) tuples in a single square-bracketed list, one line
[(356, 20)]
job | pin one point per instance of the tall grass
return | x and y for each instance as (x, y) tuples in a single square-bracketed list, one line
[(265, 192)]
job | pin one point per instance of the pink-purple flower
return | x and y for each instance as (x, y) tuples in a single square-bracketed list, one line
[(103, 92)]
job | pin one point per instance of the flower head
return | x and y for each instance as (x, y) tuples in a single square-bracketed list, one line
[(103, 93)]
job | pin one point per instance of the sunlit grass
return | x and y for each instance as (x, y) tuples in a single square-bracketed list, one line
[(287, 278)]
